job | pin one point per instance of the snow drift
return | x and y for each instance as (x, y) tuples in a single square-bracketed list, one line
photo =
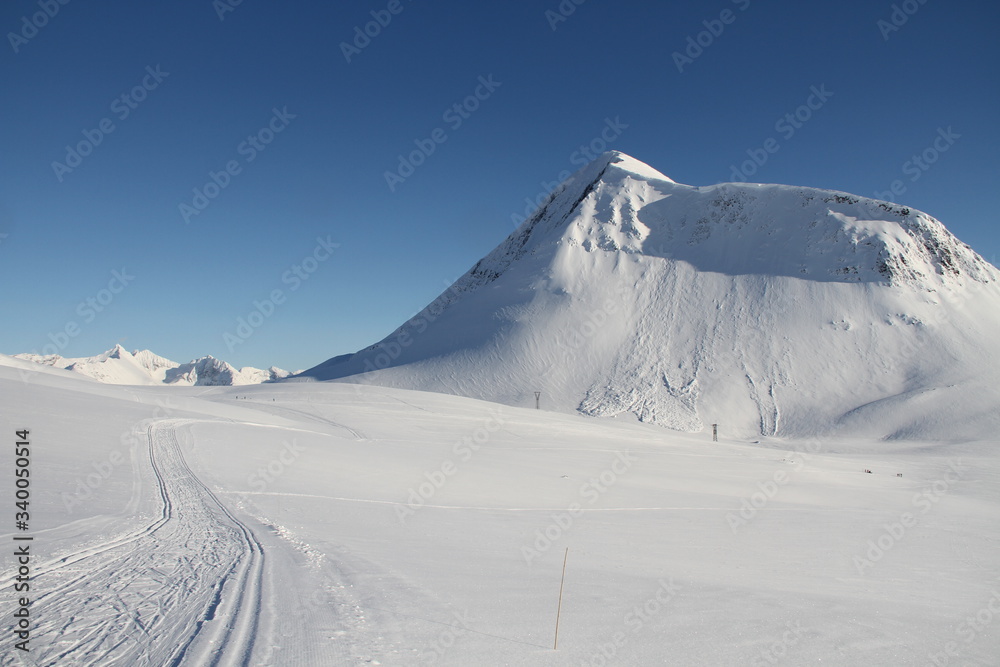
[(769, 309)]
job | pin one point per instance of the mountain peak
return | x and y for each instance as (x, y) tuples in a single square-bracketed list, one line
[(151, 361), (782, 310), (627, 163), (117, 352)]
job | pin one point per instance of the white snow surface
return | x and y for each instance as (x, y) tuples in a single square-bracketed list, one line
[(770, 309), (142, 367), (316, 524)]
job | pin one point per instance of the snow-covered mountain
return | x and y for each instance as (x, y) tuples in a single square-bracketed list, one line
[(768, 309), (142, 367)]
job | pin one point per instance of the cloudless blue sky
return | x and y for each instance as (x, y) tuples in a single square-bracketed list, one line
[(323, 175)]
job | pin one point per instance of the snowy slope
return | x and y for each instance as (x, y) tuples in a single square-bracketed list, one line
[(142, 367), (769, 309), (330, 524)]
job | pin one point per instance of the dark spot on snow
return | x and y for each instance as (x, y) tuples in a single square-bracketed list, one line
[(842, 199)]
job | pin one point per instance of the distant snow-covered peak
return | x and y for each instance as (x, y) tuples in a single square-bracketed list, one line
[(117, 352), (153, 362), (143, 367)]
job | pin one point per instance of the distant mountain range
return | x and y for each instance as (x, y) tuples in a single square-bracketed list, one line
[(142, 367)]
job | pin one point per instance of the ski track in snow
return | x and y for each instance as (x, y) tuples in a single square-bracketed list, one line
[(184, 590)]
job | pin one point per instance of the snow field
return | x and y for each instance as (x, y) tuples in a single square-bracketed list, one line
[(477, 565), (282, 528)]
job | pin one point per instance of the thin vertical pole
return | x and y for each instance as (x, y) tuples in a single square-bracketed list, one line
[(538, 396), (555, 644)]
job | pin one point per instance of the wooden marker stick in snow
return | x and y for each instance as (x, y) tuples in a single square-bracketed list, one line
[(555, 644)]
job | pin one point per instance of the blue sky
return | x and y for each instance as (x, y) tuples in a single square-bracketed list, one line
[(299, 131)]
